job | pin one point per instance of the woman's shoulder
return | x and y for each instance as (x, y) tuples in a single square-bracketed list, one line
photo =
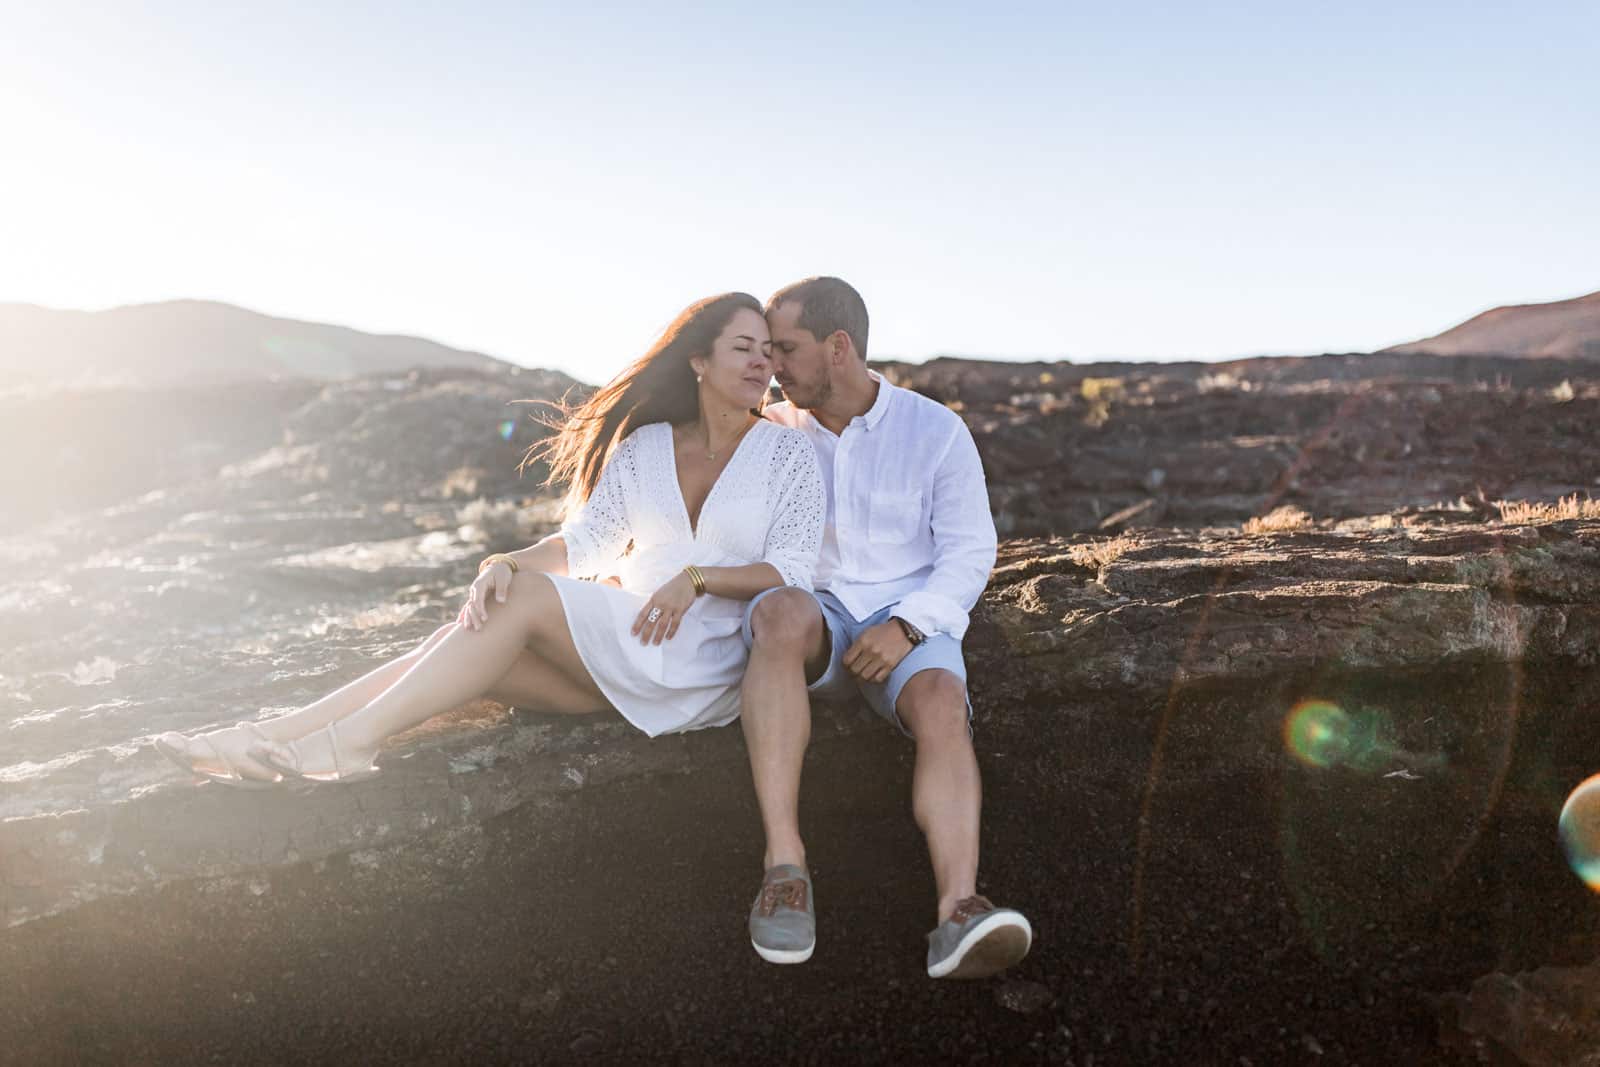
[(788, 446), (643, 433), (644, 429), (633, 449), (786, 439)]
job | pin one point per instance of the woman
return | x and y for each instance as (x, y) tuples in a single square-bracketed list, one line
[(700, 505)]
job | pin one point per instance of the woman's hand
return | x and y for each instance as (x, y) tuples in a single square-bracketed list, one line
[(497, 578), (669, 602)]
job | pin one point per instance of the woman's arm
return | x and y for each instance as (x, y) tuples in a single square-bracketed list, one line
[(591, 540), (548, 556), (797, 507), (741, 583), (586, 542), (674, 598)]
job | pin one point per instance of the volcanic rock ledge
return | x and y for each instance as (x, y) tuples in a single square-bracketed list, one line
[(1212, 875), (1070, 631), (1177, 608)]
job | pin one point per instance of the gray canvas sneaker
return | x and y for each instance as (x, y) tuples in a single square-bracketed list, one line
[(783, 920), (978, 940)]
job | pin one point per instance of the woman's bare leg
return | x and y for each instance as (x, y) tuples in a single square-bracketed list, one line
[(462, 665), (351, 697), (225, 751), (535, 684)]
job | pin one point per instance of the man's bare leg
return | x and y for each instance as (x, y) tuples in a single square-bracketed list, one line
[(790, 642), (946, 789), (973, 937)]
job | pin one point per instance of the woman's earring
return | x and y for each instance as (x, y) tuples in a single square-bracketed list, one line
[(699, 377)]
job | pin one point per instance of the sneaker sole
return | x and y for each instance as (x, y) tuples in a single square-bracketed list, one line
[(784, 955), (998, 942)]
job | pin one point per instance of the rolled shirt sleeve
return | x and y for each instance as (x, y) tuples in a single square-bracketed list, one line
[(964, 543)]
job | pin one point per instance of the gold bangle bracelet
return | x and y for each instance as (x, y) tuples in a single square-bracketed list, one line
[(696, 578), (490, 561)]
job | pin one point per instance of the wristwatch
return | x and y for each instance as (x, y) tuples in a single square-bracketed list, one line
[(914, 635)]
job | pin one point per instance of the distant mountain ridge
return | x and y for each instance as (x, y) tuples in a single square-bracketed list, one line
[(1561, 329), (200, 342)]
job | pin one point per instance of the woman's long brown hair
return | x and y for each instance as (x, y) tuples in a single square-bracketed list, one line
[(659, 386)]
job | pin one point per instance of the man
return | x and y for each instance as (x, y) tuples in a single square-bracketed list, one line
[(907, 549)]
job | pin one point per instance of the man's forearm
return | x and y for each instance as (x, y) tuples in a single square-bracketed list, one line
[(947, 598)]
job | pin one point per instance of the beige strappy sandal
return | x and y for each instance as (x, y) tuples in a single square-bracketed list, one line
[(289, 760), (188, 752)]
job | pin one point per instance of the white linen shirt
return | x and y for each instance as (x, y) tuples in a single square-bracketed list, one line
[(908, 510)]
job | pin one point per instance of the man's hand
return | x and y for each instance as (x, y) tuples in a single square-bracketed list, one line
[(877, 651)]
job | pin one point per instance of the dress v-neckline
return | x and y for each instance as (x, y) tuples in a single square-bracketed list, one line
[(677, 480)]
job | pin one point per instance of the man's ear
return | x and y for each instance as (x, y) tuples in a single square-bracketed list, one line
[(838, 347)]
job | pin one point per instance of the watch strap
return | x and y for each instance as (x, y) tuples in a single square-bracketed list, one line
[(914, 635)]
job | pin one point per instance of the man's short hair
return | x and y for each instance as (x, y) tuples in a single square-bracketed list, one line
[(827, 304)]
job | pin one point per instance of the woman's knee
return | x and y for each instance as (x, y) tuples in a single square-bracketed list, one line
[(427, 643), (530, 601), (788, 618)]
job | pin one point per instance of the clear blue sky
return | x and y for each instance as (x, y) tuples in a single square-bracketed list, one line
[(552, 183)]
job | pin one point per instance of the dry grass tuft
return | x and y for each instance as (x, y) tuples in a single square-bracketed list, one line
[(1101, 393), (1283, 517), (1098, 554), (1222, 382), (1525, 512)]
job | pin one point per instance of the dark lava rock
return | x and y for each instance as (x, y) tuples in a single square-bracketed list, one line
[(1021, 996), (1305, 777), (1548, 1018), (1082, 447)]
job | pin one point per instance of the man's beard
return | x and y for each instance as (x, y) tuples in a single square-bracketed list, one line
[(818, 395)]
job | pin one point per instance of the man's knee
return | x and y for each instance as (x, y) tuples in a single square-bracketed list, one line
[(933, 705), (787, 620)]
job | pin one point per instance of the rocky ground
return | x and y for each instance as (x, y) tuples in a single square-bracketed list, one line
[(1112, 446), (65, 454), (1211, 881), (1251, 914)]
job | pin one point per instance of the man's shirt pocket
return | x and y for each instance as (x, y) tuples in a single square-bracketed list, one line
[(895, 518)]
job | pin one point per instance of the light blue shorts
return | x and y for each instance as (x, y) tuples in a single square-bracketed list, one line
[(939, 651)]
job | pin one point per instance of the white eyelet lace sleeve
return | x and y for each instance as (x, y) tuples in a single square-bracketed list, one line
[(597, 535), (799, 508)]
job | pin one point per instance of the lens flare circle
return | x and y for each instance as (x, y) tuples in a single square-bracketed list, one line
[(1317, 733), (1580, 831), (507, 428)]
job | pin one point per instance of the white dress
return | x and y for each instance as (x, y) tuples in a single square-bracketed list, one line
[(767, 505)]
